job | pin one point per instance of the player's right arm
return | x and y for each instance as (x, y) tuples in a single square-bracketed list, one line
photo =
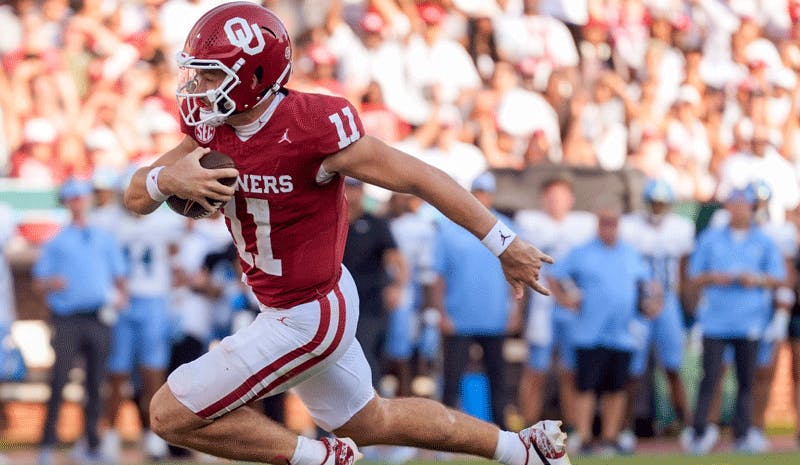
[(183, 176)]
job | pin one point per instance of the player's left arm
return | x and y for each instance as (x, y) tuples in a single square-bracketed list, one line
[(373, 161)]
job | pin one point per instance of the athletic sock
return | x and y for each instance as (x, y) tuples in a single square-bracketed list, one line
[(510, 449), (308, 452)]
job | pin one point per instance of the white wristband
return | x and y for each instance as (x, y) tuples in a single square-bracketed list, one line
[(152, 185), (498, 238)]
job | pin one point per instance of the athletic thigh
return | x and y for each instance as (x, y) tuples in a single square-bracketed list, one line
[(335, 395), (278, 350)]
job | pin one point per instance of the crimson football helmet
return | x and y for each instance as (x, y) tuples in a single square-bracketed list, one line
[(245, 41)]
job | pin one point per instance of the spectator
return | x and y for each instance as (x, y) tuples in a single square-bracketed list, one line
[(436, 65), (600, 280), (736, 288), (80, 271), (556, 229), (379, 270), (473, 314)]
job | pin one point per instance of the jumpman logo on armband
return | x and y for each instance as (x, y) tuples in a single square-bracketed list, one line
[(503, 237)]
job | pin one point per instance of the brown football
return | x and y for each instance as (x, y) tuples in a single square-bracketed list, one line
[(190, 208)]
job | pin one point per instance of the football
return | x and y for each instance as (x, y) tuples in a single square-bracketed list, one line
[(190, 208)]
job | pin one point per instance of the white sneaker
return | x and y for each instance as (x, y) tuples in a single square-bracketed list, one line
[(46, 456), (111, 445), (341, 451), (755, 442), (704, 445), (546, 443), (626, 442), (686, 438), (154, 446)]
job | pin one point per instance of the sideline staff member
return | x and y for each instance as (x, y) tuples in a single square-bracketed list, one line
[(78, 270)]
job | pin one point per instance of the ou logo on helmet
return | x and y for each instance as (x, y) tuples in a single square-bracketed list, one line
[(242, 34)]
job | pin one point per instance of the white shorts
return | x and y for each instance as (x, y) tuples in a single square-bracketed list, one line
[(311, 347)]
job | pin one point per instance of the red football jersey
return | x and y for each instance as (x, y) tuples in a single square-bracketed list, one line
[(289, 227)]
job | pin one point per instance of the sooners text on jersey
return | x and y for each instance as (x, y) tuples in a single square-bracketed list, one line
[(290, 230)]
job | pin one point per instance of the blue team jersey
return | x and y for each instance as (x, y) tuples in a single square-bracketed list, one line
[(608, 278), (477, 296), (736, 311), (89, 259)]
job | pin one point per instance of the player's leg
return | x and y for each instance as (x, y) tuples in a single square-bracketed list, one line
[(765, 370), (563, 320), (340, 401), (532, 382), (399, 347), (638, 366), (203, 406), (153, 362), (121, 360), (669, 340), (243, 434)]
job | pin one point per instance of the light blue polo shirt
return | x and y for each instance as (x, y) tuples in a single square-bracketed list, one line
[(736, 311), (607, 277), (88, 259), (477, 296)]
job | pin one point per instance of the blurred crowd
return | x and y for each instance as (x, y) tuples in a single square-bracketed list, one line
[(702, 96), (695, 91)]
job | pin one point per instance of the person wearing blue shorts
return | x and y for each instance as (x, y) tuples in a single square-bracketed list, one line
[(415, 236), (141, 335), (608, 274), (665, 239), (557, 228)]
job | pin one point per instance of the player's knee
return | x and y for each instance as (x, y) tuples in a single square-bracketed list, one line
[(169, 418)]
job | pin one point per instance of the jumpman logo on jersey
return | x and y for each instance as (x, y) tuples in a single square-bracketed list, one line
[(283, 320), (285, 137), (503, 237)]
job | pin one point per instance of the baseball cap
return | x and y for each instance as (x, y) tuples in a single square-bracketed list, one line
[(741, 194), (485, 182), (657, 190), (73, 188)]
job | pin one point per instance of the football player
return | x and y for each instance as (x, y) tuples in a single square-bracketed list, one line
[(288, 217), (557, 229), (665, 239)]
